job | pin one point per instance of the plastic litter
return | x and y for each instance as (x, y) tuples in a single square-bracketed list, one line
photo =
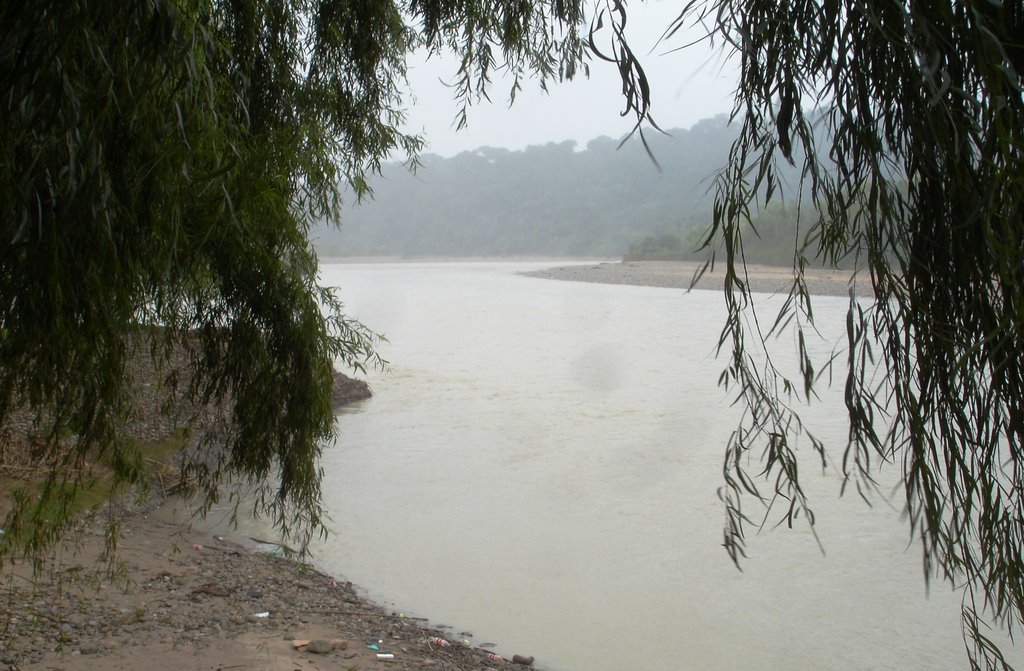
[(491, 657), (263, 614), (439, 642), (385, 655)]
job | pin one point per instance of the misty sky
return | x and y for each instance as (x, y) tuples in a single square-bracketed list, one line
[(687, 86)]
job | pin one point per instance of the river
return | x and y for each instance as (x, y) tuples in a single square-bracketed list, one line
[(539, 467)]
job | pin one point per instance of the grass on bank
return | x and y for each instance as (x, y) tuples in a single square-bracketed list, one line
[(24, 478)]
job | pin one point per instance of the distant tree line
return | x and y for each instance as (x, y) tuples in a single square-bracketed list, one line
[(772, 236), (552, 200)]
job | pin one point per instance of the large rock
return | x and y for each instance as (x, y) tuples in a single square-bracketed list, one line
[(348, 390)]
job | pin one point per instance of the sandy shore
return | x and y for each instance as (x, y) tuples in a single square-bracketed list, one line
[(185, 599), (679, 275)]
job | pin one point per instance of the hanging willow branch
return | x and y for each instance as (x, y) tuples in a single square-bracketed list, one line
[(907, 123), (161, 166)]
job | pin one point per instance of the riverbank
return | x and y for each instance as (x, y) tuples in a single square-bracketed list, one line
[(680, 274), (184, 599)]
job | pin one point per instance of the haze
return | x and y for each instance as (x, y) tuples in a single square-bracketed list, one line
[(687, 85)]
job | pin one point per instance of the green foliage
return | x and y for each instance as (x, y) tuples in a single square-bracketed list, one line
[(769, 240), (553, 200), (660, 247), (907, 122), (161, 164)]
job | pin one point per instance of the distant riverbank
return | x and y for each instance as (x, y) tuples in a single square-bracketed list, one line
[(680, 274)]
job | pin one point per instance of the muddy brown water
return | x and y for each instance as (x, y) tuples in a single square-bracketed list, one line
[(539, 468)]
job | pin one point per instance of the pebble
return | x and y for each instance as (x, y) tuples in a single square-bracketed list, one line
[(319, 646), (89, 648)]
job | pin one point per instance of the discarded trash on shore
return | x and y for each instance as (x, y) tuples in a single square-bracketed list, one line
[(276, 549), (491, 657), (439, 642), (385, 655)]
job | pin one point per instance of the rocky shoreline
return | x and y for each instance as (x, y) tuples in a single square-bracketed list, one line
[(180, 597), (183, 599)]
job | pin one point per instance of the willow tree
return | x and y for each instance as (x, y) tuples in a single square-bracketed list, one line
[(907, 121), (161, 163)]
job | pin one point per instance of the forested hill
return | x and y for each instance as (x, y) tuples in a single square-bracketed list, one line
[(554, 199)]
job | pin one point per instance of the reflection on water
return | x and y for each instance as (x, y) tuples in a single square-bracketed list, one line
[(540, 467)]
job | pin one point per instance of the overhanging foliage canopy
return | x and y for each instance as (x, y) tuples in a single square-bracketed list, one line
[(907, 119), (161, 162)]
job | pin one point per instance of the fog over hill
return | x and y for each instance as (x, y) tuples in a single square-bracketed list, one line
[(552, 200)]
